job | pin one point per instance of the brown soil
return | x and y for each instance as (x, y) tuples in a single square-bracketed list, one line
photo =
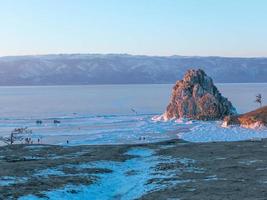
[(222, 170)]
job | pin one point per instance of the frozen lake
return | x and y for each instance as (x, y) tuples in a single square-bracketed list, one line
[(103, 114)]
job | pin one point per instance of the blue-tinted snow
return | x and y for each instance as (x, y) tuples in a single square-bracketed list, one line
[(128, 180), (10, 180)]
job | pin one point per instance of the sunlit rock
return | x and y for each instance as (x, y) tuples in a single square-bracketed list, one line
[(196, 97), (254, 119)]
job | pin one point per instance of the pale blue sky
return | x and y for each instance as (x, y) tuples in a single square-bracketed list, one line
[(151, 27)]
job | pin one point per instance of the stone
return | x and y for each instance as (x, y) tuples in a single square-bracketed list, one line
[(196, 97)]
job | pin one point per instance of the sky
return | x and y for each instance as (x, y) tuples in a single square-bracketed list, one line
[(140, 27)]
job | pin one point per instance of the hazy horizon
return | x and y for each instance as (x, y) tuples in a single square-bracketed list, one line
[(129, 54)]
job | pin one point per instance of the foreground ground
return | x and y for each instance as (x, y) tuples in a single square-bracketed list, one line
[(181, 170)]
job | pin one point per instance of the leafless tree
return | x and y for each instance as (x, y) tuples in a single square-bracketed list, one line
[(18, 134), (259, 99)]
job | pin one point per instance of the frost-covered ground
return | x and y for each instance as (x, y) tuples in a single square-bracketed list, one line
[(88, 172), (167, 170), (128, 180)]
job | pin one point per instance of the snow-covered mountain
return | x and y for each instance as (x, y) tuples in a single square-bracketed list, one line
[(124, 69)]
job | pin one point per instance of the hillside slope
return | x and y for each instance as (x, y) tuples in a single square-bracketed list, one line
[(124, 69), (253, 119)]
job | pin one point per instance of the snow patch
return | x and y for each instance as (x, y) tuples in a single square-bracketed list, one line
[(9, 180), (213, 132), (256, 125), (121, 183)]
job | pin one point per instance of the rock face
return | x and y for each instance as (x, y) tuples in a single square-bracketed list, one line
[(196, 97), (254, 119)]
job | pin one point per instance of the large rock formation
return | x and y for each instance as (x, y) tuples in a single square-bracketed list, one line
[(196, 97), (254, 119)]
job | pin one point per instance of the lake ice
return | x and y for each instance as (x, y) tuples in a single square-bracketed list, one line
[(115, 114)]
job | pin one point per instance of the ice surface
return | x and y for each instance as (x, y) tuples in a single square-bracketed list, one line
[(86, 129), (130, 129), (104, 114)]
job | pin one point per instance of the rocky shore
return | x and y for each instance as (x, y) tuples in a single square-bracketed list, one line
[(254, 119)]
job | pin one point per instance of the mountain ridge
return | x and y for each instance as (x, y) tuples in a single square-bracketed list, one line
[(76, 69)]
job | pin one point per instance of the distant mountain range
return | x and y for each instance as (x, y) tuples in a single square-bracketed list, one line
[(65, 69)]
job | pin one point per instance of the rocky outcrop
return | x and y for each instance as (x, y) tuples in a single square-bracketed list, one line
[(254, 119), (196, 97)]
